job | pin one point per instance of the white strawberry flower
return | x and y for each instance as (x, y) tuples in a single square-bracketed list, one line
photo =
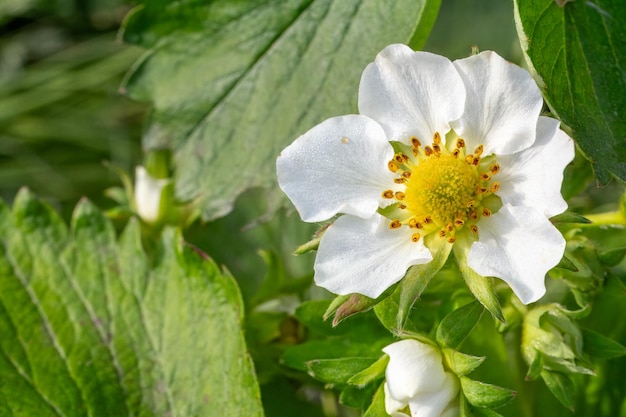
[(416, 382), (441, 152)]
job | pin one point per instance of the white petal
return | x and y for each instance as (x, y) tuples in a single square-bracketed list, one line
[(503, 103), (518, 245), (411, 93), (393, 407), (433, 404), (452, 410), (533, 177), (365, 256), (413, 368), (339, 166), (148, 194)]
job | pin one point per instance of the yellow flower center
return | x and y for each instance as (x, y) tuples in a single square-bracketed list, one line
[(441, 187), (447, 189)]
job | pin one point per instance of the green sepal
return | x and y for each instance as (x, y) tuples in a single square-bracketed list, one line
[(418, 277), (309, 246), (337, 371), (356, 397), (314, 243), (569, 217), (118, 194), (485, 412), (127, 185), (461, 363), (377, 407), (480, 394), (353, 304), (482, 287), (567, 263), (464, 408), (370, 374), (334, 305), (600, 346), (387, 313), (535, 368), (457, 325), (561, 386)]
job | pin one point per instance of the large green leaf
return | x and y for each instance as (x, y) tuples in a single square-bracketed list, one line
[(234, 82), (92, 326), (578, 54)]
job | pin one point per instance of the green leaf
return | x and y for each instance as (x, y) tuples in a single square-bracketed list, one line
[(561, 386), (577, 54), (461, 363), (338, 371), (372, 373), (457, 325), (600, 346), (233, 83), (91, 325), (484, 395)]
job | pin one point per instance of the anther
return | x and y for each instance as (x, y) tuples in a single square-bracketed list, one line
[(495, 186), (481, 190), (437, 138), (402, 206), (494, 168), (428, 150), (458, 222), (471, 204), (406, 174), (399, 158), (393, 166), (442, 233), (416, 142), (456, 152), (479, 150), (474, 229), (449, 227), (415, 237), (485, 176), (395, 224), (473, 215), (451, 239), (387, 194), (486, 212), (428, 220), (413, 223), (460, 143), (437, 149), (398, 180), (476, 161), (469, 159), (400, 195)]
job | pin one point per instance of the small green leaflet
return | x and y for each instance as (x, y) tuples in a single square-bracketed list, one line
[(93, 326), (232, 83)]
